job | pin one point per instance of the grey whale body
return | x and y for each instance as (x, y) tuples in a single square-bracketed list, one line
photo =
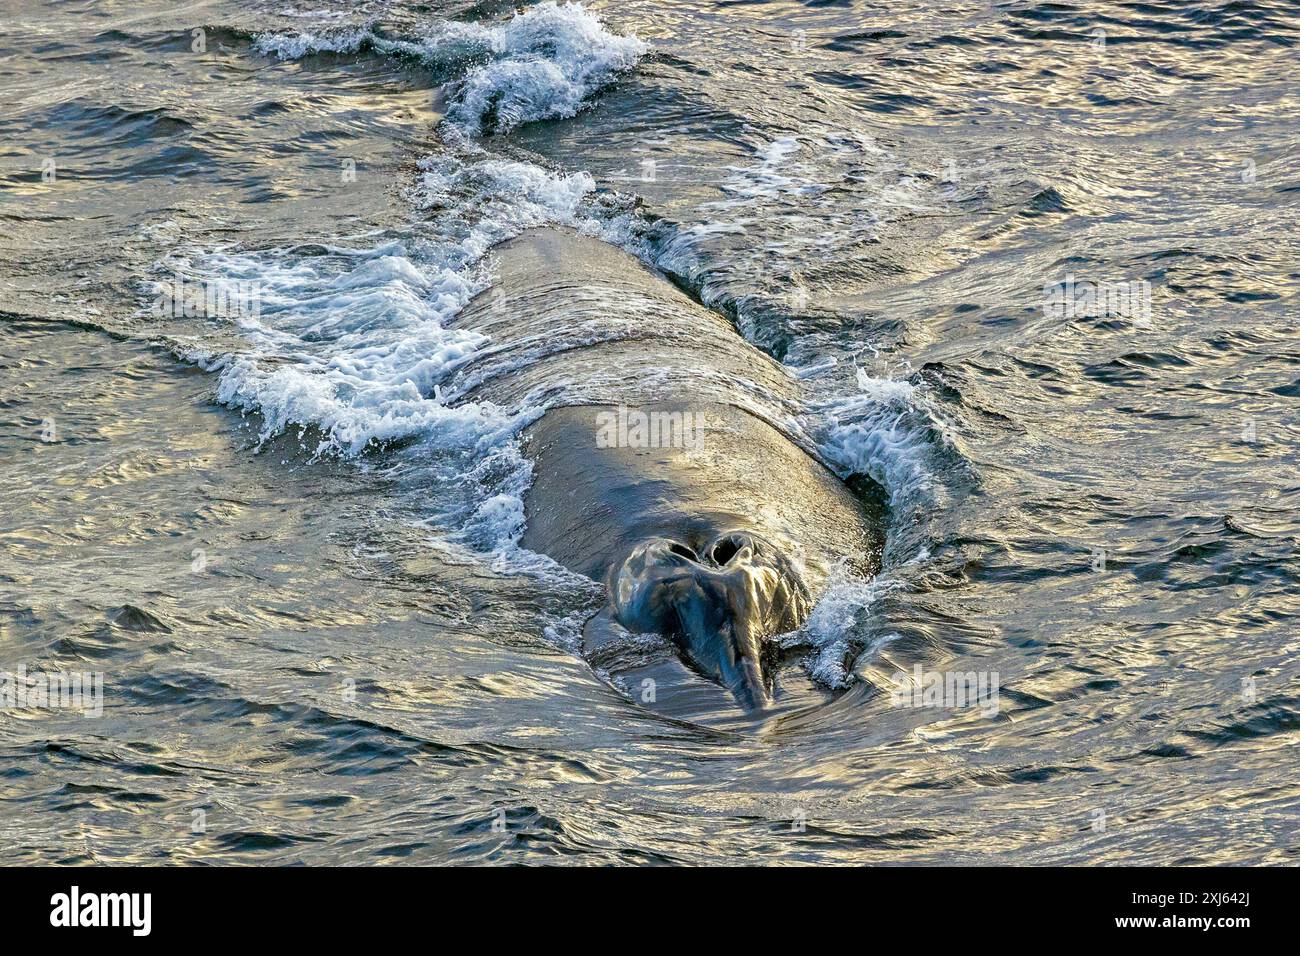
[(719, 531)]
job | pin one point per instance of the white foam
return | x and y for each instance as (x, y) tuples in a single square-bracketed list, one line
[(884, 431), (830, 628), (293, 46), (542, 63), (351, 341), (493, 199), (771, 177), (320, 14), (354, 340)]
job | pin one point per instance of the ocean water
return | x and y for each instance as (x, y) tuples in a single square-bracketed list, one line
[(1034, 264)]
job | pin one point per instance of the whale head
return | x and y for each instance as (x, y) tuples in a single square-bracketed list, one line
[(719, 604)]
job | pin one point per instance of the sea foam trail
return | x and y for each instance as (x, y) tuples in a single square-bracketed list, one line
[(543, 63)]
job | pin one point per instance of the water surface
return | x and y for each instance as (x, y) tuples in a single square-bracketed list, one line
[(288, 540)]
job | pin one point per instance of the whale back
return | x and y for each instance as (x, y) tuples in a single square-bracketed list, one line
[(656, 422), (572, 320)]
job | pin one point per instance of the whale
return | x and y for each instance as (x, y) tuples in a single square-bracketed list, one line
[(667, 465)]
